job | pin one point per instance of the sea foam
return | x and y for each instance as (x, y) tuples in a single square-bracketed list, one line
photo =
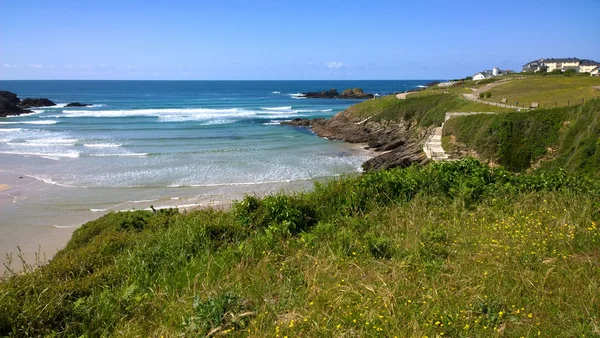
[(31, 122), (277, 108), (102, 145)]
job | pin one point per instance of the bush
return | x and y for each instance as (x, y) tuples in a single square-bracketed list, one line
[(488, 95), (481, 95)]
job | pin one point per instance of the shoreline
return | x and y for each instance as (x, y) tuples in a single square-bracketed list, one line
[(60, 210), (390, 144)]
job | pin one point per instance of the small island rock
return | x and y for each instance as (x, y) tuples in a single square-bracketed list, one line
[(77, 104), (356, 93), (324, 94)]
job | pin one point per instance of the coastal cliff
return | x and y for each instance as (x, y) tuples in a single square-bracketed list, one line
[(398, 145)]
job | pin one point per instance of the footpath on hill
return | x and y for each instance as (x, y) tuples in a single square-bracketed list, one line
[(433, 145)]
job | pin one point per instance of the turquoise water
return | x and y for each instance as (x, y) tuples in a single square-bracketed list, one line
[(176, 133), (166, 143)]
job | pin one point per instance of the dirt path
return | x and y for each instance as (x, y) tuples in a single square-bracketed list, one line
[(402, 96)]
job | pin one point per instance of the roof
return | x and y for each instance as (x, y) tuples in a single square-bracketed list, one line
[(534, 61), (587, 62), (561, 60)]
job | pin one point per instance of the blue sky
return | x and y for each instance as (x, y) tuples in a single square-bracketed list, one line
[(278, 40)]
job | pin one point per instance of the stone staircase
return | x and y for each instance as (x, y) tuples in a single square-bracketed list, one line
[(433, 145)]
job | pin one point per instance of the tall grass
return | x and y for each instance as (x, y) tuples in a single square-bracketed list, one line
[(562, 137), (453, 249)]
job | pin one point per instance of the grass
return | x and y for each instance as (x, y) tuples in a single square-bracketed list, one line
[(454, 249), (548, 91), (564, 137), (425, 108)]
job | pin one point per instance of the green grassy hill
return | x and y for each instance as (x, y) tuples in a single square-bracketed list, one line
[(454, 249), (566, 137), (427, 108), (548, 91)]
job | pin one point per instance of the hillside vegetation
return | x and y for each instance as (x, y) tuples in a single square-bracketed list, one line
[(454, 249), (427, 108), (548, 91), (566, 137)]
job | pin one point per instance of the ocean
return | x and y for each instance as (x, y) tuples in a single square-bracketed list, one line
[(162, 143)]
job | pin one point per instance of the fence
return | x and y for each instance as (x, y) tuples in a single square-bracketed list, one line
[(536, 104)]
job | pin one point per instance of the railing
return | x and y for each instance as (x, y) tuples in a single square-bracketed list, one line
[(529, 105)]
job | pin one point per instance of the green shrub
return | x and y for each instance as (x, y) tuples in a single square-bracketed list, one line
[(488, 95)]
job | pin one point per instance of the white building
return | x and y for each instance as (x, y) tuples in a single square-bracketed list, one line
[(486, 74), (562, 64)]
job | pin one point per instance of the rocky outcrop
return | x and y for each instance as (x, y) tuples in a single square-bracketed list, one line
[(38, 102), (9, 97), (77, 104), (9, 105), (399, 146), (355, 93), (298, 122), (324, 94)]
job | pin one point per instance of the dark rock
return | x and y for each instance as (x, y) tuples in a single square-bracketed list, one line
[(396, 141), (324, 94), (356, 93), (77, 104), (9, 105), (9, 97), (38, 102), (297, 122)]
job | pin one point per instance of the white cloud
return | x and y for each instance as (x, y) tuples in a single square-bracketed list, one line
[(334, 64), (36, 66), (8, 65)]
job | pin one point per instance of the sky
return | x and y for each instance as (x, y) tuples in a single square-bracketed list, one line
[(287, 40)]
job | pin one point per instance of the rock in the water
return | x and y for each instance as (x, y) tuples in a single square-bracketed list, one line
[(9, 97), (298, 122), (356, 93), (77, 104), (37, 102), (324, 94), (9, 105)]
